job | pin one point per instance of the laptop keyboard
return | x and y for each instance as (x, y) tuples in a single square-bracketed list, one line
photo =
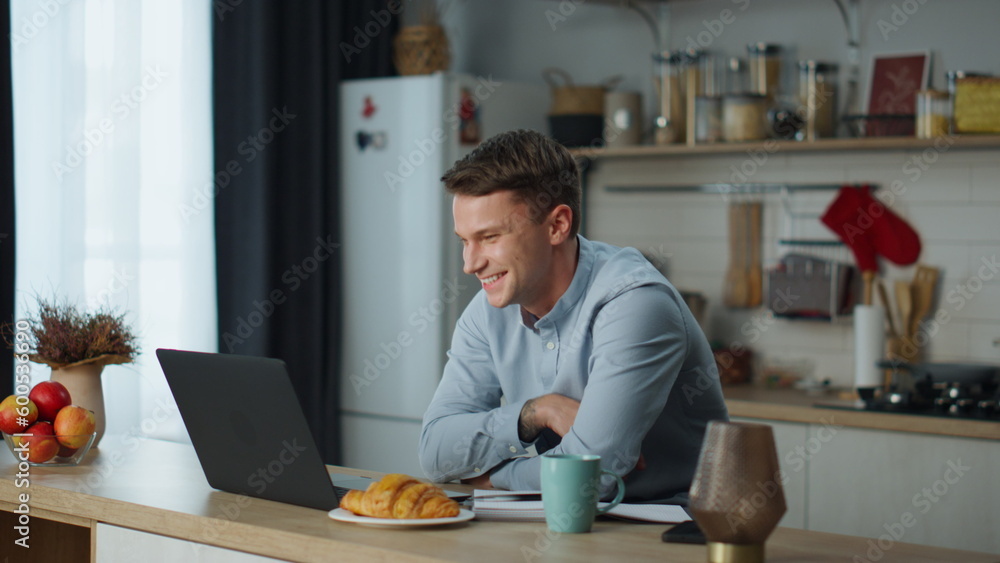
[(340, 492)]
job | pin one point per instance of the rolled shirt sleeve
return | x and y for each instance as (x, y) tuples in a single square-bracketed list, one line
[(466, 431)]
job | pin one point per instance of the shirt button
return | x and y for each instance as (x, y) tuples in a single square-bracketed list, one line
[(550, 345), (477, 470), (513, 449)]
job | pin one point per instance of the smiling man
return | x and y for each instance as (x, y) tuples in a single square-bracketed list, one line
[(572, 346)]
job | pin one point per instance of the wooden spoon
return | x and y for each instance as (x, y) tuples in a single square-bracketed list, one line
[(884, 297), (904, 300), (735, 291), (924, 282)]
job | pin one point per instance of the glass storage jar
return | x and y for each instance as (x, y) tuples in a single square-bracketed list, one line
[(933, 114), (670, 119), (818, 99), (765, 69), (744, 117)]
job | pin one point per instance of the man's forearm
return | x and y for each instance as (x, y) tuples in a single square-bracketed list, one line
[(527, 427)]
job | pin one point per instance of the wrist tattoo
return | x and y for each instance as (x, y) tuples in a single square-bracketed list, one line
[(527, 430)]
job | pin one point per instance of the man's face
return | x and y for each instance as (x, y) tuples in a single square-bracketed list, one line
[(509, 253)]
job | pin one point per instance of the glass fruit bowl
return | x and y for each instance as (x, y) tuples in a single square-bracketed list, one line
[(50, 450)]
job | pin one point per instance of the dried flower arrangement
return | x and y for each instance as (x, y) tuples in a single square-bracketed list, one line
[(62, 336)]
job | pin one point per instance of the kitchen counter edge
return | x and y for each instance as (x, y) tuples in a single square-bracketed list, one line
[(791, 405)]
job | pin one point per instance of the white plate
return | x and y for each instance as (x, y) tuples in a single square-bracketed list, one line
[(343, 515)]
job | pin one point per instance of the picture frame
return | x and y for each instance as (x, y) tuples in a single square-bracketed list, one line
[(894, 80)]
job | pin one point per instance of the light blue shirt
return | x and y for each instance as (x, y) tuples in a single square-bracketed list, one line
[(621, 341)]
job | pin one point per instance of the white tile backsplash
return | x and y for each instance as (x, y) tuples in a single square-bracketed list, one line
[(986, 183), (954, 205)]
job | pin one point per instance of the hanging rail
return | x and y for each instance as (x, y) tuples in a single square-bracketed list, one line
[(743, 188)]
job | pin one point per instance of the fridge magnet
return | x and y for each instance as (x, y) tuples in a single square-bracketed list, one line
[(893, 85), (369, 108), (373, 139), (468, 114)]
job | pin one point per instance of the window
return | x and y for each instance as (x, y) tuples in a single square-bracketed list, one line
[(113, 150)]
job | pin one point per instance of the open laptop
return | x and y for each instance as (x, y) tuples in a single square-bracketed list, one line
[(249, 431)]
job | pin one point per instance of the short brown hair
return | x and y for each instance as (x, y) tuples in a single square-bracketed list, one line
[(540, 171)]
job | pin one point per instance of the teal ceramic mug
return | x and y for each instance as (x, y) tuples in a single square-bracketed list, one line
[(570, 485)]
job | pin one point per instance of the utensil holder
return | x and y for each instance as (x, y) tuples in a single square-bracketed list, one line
[(807, 287)]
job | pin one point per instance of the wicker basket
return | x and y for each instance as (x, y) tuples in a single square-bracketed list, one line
[(421, 49)]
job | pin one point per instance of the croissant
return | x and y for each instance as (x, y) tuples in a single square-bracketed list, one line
[(400, 496)]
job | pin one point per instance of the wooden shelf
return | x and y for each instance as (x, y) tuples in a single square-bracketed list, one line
[(774, 146)]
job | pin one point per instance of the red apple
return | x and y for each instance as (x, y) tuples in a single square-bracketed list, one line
[(40, 441), (66, 452), (73, 426), (49, 396), (15, 417)]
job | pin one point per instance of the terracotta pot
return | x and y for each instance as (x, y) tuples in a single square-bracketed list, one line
[(85, 389)]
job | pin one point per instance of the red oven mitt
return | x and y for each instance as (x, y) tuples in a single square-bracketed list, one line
[(869, 228)]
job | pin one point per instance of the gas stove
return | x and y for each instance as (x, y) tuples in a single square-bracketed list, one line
[(980, 401)]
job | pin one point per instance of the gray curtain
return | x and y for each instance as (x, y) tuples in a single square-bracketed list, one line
[(277, 67), (7, 261)]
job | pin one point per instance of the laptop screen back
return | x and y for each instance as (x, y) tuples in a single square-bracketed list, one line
[(247, 427)]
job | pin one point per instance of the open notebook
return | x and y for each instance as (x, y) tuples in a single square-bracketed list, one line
[(527, 506)]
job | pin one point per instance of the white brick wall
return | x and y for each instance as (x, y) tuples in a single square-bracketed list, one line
[(954, 204)]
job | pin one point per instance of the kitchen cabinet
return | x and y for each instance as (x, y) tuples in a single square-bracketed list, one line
[(115, 544), (890, 486), (925, 489)]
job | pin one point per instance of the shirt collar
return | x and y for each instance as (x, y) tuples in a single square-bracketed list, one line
[(575, 291)]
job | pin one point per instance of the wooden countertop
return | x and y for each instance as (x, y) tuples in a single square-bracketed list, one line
[(158, 487), (792, 405)]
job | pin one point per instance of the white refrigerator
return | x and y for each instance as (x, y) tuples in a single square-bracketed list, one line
[(403, 282)]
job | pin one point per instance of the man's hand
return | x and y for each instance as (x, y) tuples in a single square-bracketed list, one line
[(557, 412), (481, 482)]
